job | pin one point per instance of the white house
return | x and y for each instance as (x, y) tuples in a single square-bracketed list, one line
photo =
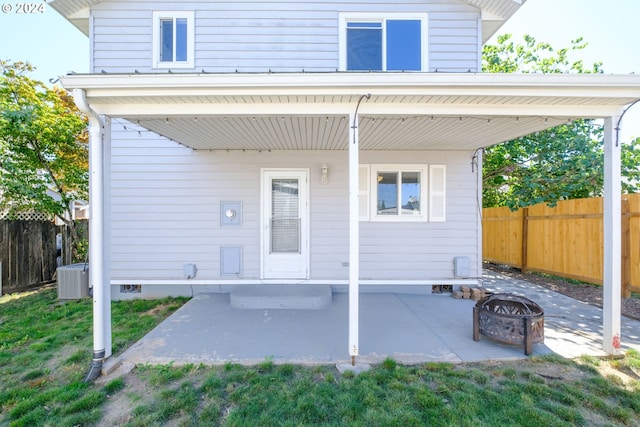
[(307, 142)]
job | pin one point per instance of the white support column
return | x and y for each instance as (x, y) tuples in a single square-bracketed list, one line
[(611, 300), (478, 171), (354, 238)]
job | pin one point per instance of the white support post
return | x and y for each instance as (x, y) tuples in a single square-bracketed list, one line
[(478, 170), (611, 301), (354, 238)]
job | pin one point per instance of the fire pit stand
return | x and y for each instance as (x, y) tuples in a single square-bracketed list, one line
[(510, 319)]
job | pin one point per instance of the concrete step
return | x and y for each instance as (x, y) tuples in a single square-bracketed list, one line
[(297, 297)]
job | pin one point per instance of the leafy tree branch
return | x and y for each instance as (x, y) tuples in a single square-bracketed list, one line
[(43, 147), (564, 162)]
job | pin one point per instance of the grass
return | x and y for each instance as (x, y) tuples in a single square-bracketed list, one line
[(438, 394), (45, 350)]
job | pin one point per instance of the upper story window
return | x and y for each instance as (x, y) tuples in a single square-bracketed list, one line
[(390, 42), (173, 39)]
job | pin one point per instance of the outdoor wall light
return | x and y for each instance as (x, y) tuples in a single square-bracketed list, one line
[(324, 170)]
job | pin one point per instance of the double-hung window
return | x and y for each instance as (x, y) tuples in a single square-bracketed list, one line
[(391, 42), (173, 39), (402, 192)]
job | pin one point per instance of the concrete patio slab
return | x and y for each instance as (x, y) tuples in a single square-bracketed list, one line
[(307, 297), (410, 328)]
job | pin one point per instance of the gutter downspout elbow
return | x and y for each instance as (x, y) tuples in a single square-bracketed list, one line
[(96, 233), (80, 99)]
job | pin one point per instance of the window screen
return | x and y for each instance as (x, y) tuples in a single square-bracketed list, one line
[(364, 41), (166, 38)]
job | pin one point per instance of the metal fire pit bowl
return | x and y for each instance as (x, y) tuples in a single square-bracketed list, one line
[(510, 319)]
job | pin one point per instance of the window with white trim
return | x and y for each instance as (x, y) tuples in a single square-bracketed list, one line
[(173, 39), (401, 192), (383, 42)]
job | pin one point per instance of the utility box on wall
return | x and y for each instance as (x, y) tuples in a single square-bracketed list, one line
[(231, 261), (230, 214), (461, 266)]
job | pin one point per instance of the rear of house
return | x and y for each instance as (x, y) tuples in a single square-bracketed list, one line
[(210, 199), (308, 142)]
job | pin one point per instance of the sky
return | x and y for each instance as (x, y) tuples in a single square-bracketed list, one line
[(610, 27), (55, 47)]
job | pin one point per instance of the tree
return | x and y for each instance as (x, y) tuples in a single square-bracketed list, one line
[(43, 147), (533, 57), (564, 162)]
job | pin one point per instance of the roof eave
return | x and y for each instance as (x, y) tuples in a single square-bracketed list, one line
[(618, 85), (77, 12), (494, 13), (436, 111)]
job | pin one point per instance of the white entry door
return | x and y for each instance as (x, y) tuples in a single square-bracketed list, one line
[(285, 224)]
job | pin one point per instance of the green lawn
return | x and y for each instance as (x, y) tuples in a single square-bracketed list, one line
[(45, 351)]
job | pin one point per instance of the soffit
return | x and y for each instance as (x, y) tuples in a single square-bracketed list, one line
[(311, 112), (75, 11), (271, 133), (494, 14)]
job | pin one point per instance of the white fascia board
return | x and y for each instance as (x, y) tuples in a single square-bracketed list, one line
[(589, 91), (118, 94), (306, 83)]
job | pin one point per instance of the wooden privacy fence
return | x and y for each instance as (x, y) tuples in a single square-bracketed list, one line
[(566, 240), (27, 254)]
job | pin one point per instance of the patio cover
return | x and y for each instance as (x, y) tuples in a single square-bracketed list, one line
[(421, 111), (352, 112)]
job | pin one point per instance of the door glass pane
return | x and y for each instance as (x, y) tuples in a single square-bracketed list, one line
[(410, 193), (404, 45), (181, 39), (364, 46), (387, 193), (285, 216), (166, 40)]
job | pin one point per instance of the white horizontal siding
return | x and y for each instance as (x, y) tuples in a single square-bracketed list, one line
[(391, 250), (283, 35), (165, 212)]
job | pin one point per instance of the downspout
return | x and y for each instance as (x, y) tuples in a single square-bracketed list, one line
[(96, 231)]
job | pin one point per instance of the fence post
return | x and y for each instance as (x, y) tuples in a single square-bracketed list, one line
[(525, 238), (626, 248)]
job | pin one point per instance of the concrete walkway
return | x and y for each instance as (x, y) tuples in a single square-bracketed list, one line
[(411, 328)]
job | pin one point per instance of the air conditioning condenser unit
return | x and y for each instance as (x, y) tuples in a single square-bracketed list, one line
[(73, 281)]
